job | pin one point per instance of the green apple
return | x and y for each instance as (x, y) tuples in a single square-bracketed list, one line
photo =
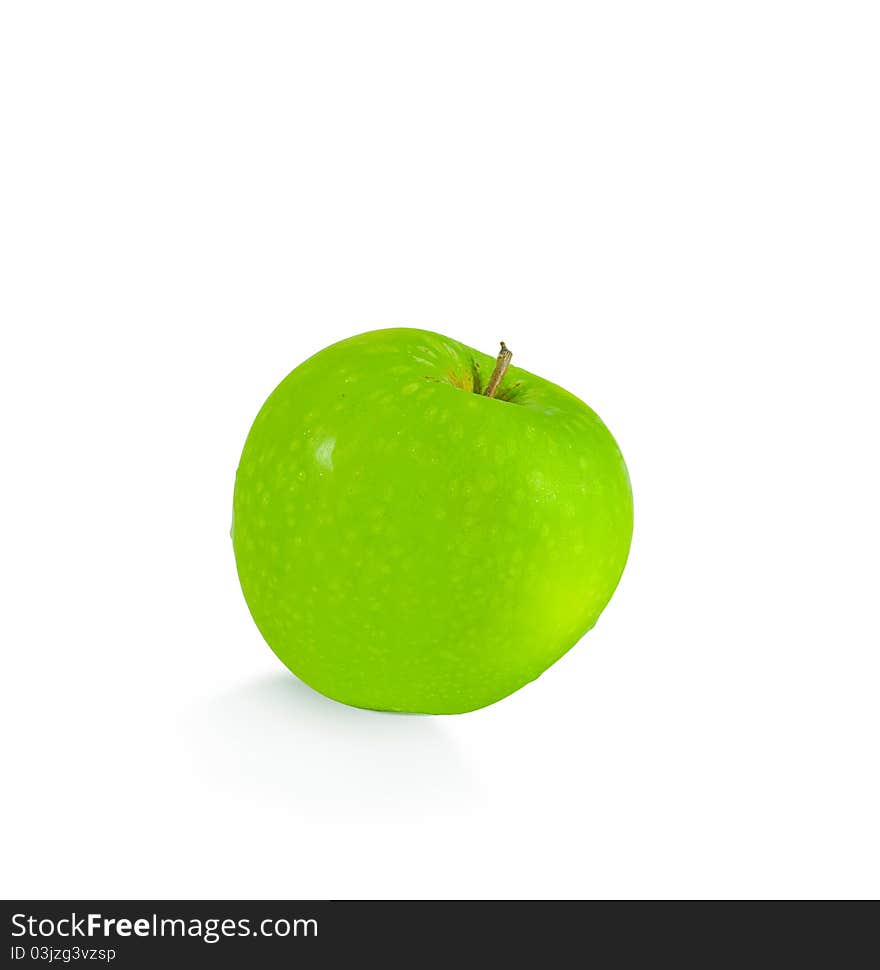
[(421, 527)]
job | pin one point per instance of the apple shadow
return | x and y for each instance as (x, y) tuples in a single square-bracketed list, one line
[(276, 738)]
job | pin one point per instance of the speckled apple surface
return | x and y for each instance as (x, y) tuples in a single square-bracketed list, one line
[(406, 543)]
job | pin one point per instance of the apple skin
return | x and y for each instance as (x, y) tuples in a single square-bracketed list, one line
[(407, 544)]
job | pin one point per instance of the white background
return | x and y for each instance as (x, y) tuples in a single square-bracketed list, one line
[(670, 209)]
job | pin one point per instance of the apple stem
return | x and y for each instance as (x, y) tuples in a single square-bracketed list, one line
[(501, 365)]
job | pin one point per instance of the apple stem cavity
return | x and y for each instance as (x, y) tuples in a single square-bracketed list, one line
[(501, 365)]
